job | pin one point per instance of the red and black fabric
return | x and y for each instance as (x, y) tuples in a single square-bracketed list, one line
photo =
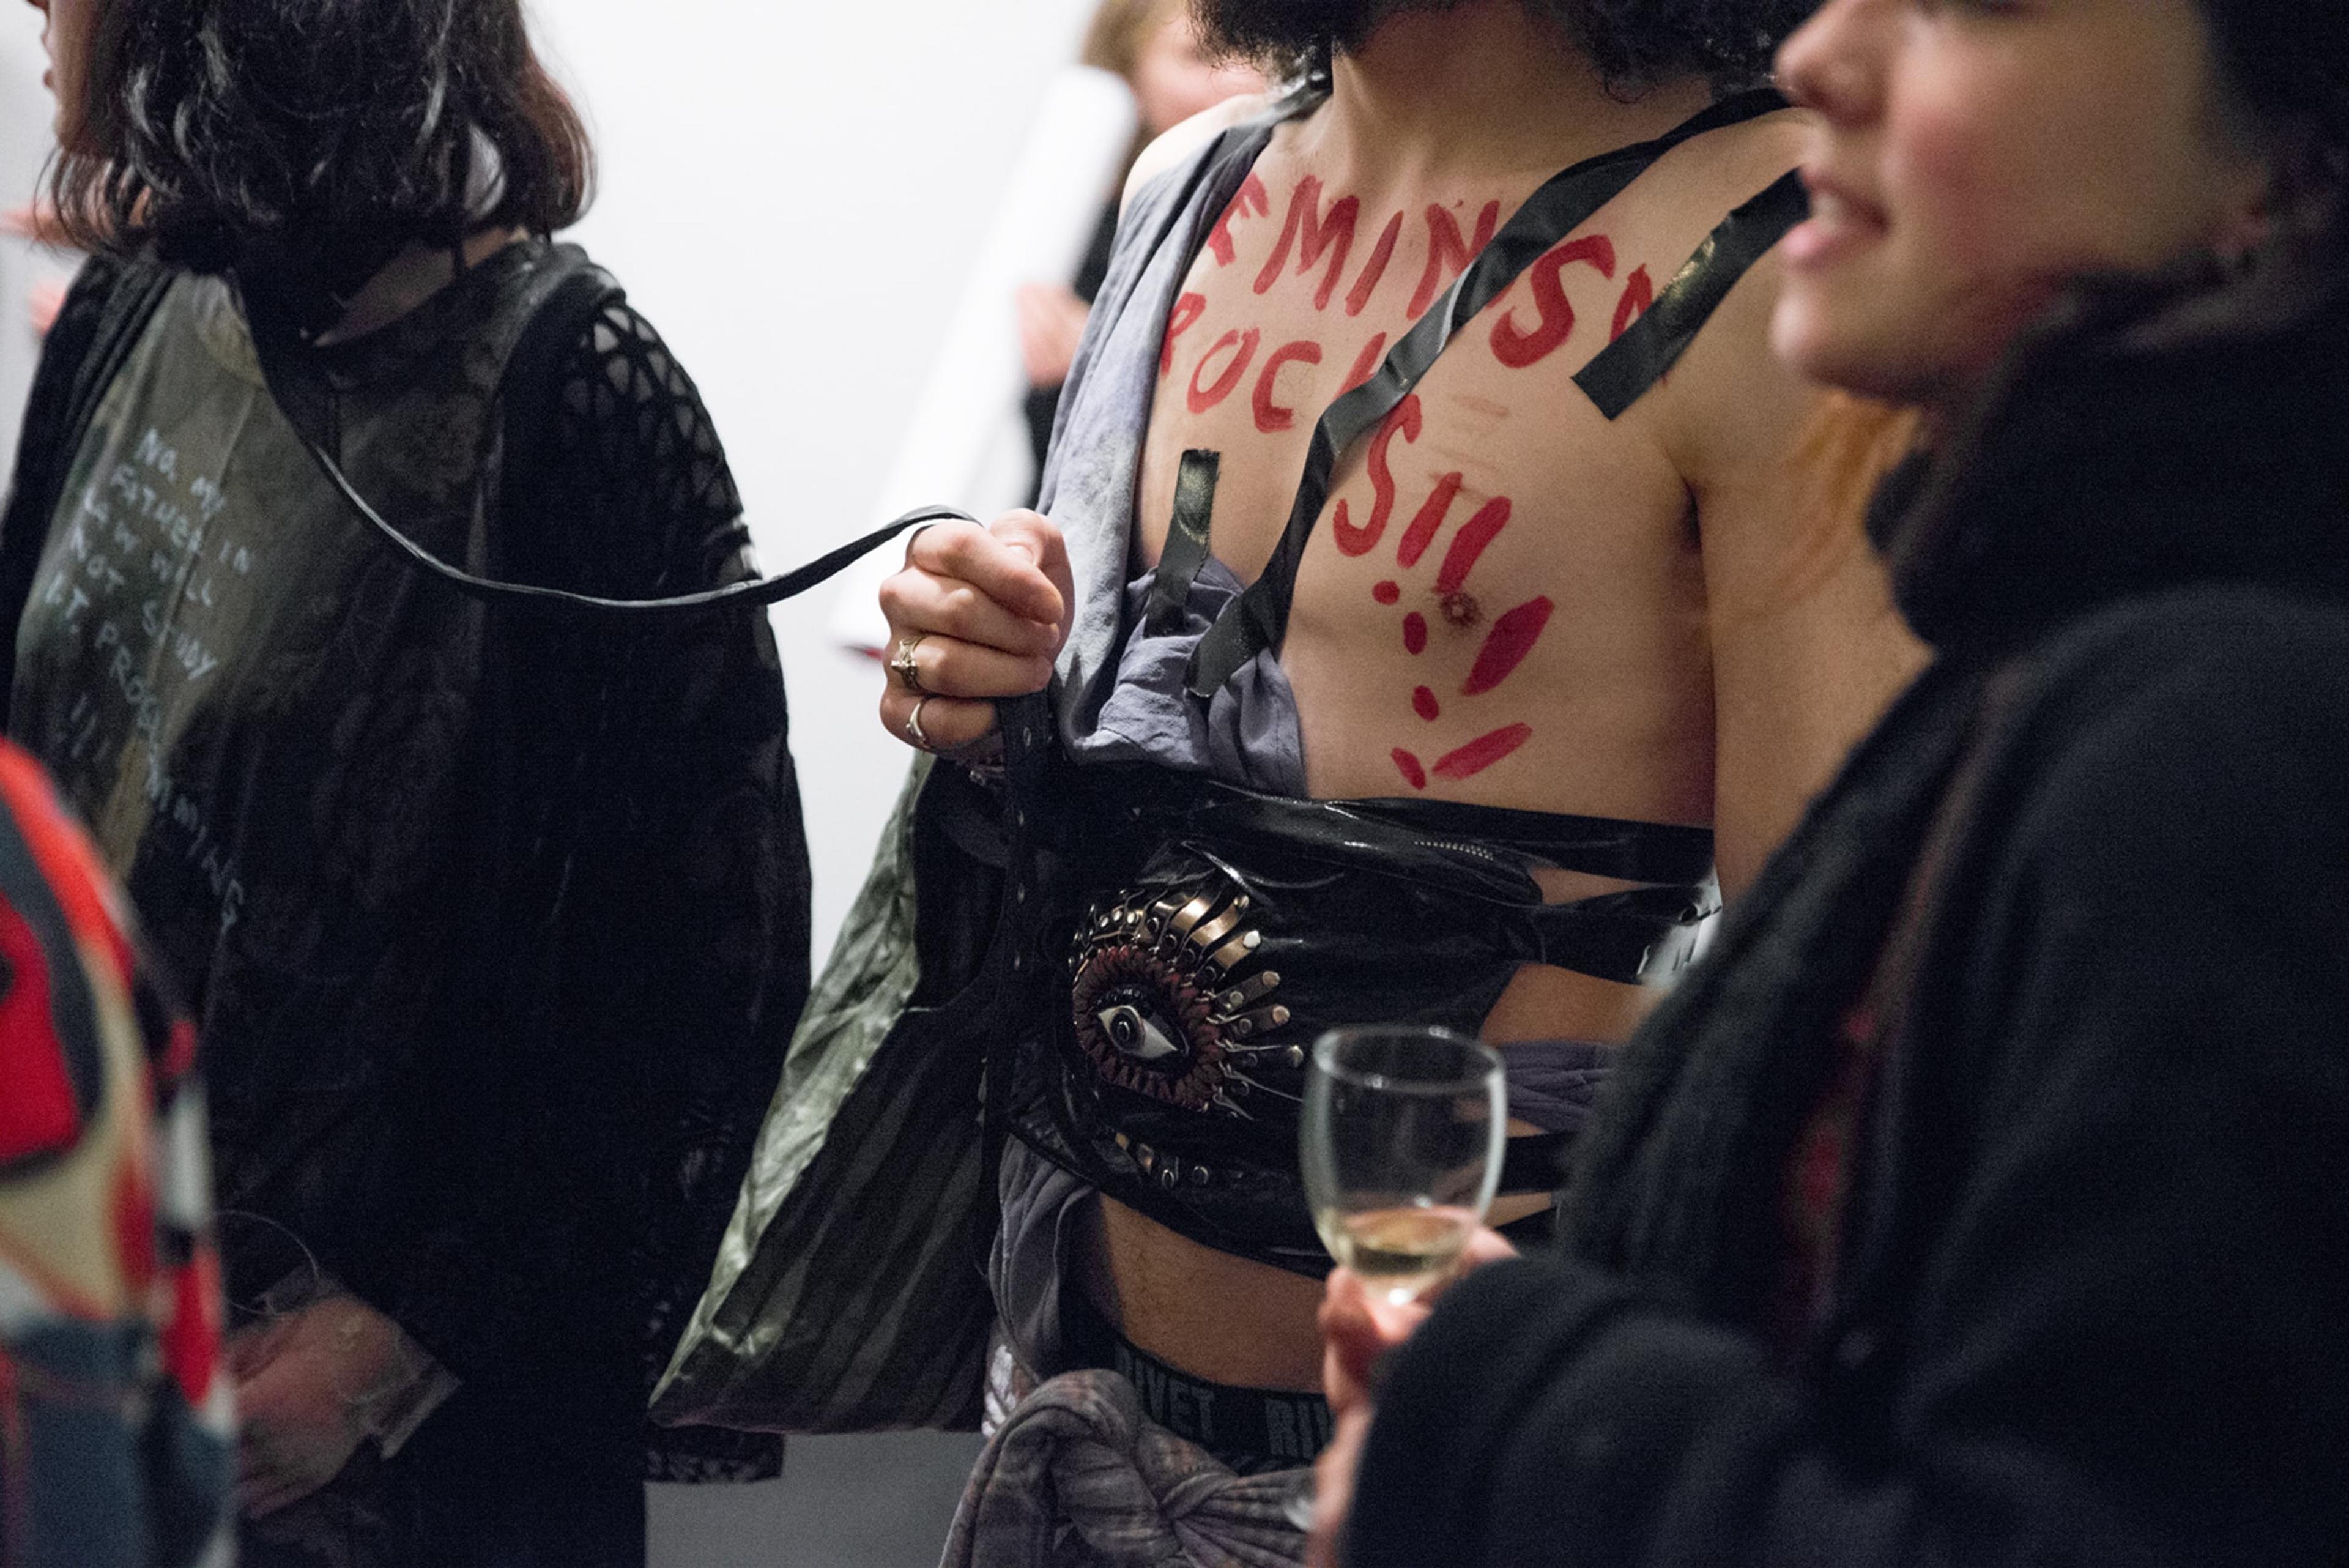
[(114, 1413)]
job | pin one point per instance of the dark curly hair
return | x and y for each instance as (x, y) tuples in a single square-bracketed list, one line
[(316, 137), (1634, 43)]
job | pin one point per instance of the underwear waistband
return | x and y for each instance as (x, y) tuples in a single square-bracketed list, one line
[(1251, 1430)]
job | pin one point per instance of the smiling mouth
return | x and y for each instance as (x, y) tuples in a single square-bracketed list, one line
[(1839, 223)]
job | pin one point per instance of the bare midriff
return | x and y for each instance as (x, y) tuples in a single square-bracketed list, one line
[(1504, 602)]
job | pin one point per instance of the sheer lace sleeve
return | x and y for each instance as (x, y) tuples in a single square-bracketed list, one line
[(651, 849), (634, 449)]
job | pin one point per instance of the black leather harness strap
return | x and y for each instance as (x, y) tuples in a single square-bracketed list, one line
[(1259, 618)]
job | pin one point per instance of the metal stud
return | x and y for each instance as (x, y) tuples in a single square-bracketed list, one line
[(1223, 957), (1251, 989)]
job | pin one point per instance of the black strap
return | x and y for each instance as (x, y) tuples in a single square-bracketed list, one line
[(1646, 935), (561, 602), (300, 390), (1259, 618), (1599, 845), (1636, 361), (1186, 542)]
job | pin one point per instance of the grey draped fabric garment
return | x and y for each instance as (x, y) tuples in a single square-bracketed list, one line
[(1079, 1477)]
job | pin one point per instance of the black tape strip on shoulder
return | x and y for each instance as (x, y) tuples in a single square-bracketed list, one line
[(1627, 368)]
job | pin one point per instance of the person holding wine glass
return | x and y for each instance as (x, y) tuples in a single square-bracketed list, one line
[(1985, 1198)]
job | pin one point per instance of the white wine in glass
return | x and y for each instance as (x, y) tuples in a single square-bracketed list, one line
[(1402, 1251), (1401, 1148)]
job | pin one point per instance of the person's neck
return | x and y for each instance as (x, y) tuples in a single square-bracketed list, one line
[(1479, 89), (407, 280)]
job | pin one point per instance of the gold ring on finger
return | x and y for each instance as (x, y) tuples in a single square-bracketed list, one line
[(903, 663)]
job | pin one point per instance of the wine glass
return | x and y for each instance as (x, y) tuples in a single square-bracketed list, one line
[(1405, 1128)]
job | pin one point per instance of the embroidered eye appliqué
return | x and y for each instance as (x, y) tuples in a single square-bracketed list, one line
[(1171, 1000)]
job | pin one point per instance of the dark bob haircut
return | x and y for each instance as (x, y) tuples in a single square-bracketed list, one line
[(1634, 43), (316, 137)]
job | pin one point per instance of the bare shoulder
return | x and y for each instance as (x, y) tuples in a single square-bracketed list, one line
[(1184, 141), (1730, 398), (1751, 155)]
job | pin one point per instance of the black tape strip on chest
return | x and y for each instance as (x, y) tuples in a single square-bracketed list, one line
[(1186, 542), (1259, 618), (1627, 368)]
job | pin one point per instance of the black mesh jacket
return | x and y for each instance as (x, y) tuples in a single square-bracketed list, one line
[(519, 919)]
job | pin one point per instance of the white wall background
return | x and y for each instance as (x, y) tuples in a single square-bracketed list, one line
[(792, 192)]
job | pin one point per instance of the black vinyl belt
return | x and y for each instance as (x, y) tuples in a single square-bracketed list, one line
[(1259, 618)]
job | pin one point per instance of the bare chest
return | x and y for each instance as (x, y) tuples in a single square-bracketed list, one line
[(1300, 291), (1495, 535)]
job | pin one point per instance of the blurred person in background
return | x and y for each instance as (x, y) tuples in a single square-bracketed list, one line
[(1482, 714), (495, 924), (1984, 1198), (32, 275), (115, 1443), (1156, 48)]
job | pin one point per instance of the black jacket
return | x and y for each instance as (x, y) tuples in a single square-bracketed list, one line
[(506, 1096), (2091, 1301)]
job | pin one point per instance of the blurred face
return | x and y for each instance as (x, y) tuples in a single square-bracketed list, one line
[(1174, 80), (1977, 157), (66, 37)]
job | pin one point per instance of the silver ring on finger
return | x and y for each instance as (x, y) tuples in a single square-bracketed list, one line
[(905, 665), (914, 731)]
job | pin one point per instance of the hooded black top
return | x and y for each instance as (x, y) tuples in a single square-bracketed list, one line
[(2090, 1299)]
